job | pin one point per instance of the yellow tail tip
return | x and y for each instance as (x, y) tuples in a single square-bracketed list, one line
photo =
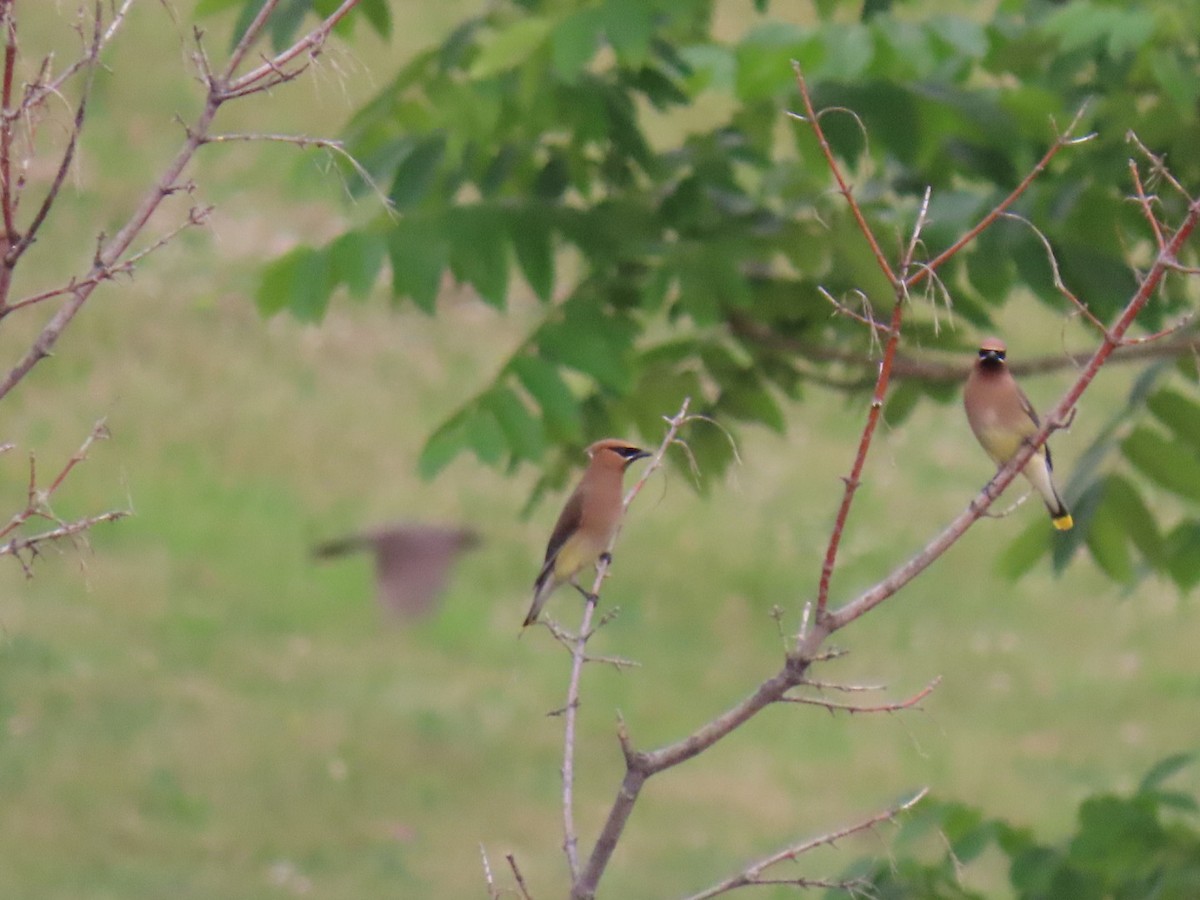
[(1064, 523)]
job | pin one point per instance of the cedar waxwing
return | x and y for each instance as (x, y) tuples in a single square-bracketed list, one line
[(587, 523), (1003, 419), (412, 562)]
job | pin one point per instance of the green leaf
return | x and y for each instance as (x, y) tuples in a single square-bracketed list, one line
[(901, 402), (1164, 769), (711, 450), (559, 407), (848, 52), (1078, 25), (533, 241), (284, 21), (479, 250), (510, 46), (1115, 834), (1032, 870), (485, 436), (1023, 553), (298, 281), (629, 26), (1168, 463), (1177, 79), (573, 42), (591, 342), (1125, 507), (355, 259), (521, 430), (1179, 413), (379, 15), (450, 439), (415, 173), (1106, 539), (418, 253), (747, 398), (1183, 555), (275, 286), (763, 60)]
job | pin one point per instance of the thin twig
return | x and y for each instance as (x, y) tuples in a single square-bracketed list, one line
[(1145, 201), (112, 250), (579, 651), (835, 706), (37, 500), (22, 543), (753, 874), (813, 120), (1064, 140), (493, 891), (1057, 280), (303, 142), (1158, 166), (6, 126), (905, 573), (516, 870), (260, 78), (43, 88)]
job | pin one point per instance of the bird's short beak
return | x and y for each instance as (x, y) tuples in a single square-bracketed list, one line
[(991, 355), (641, 454)]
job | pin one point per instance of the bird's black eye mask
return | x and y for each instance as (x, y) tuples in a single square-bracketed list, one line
[(630, 453), (992, 355)]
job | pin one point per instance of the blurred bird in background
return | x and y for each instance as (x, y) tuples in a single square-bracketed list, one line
[(412, 561), (1004, 420), (587, 523)]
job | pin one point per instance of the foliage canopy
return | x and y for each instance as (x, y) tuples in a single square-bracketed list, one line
[(636, 168)]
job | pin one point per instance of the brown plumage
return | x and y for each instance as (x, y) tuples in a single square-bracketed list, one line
[(1004, 420), (412, 562), (588, 521)]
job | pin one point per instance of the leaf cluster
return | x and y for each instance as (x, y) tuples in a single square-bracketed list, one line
[(634, 167), (1136, 847)]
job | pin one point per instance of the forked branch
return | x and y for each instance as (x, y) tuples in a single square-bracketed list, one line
[(754, 874), (114, 254)]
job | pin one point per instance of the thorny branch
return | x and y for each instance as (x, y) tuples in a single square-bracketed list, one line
[(834, 706), (579, 645), (901, 283), (641, 765), (37, 505), (1062, 410), (753, 874), (113, 254)]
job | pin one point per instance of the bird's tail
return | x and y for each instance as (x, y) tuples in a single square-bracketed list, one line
[(542, 589), (1060, 516), (341, 546), (1038, 473)]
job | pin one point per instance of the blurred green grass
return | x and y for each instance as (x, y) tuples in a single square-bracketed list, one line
[(190, 708)]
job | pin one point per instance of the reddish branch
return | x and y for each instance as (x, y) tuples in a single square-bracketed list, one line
[(901, 285), (979, 505), (37, 506), (641, 765)]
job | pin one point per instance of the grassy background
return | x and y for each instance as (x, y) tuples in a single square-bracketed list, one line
[(189, 708)]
